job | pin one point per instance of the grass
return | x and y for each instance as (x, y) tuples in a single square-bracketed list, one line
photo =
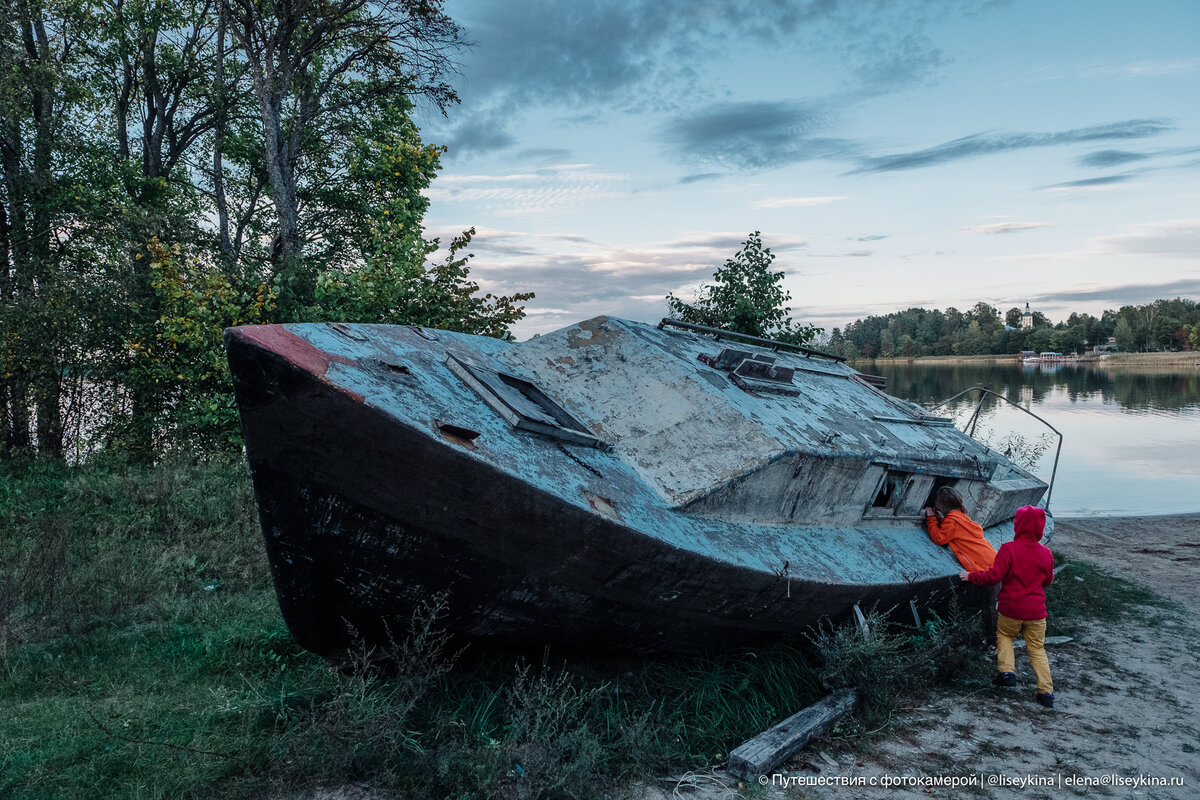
[(142, 655), (1082, 592)]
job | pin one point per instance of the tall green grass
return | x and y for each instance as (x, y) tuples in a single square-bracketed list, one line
[(142, 655)]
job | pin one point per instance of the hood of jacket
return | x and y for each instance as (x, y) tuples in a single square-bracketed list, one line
[(1029, 523)]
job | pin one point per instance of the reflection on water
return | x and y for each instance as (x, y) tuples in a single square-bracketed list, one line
[(1130, 439), (1132, 391)]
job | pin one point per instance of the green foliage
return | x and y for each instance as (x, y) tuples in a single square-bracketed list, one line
[(1123, 333), (142, 215), (395, 286), (745, 296), (1161, 325), (177, 356)]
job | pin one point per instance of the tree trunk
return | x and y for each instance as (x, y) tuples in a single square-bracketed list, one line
[(49, 414), (222, 111), (16, 395)]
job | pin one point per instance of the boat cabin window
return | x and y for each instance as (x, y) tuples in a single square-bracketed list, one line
[(938, 483), (891, 491), (524, 405)]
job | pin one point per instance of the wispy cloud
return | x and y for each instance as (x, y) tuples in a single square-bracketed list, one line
[(1111, 158), (481, 133), (752, 135), (899, 61), (792, 202), (1090, 184), (1145, 69), (1170, 239), (989, 144), (547, 155), (538, 191), (1165, 239), (1122, 294), (1005, 227), (1133, 69)]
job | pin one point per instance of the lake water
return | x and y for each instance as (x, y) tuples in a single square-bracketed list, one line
[(1131, 439)]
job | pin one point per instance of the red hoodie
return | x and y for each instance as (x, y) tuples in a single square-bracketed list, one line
[(1024, 567)]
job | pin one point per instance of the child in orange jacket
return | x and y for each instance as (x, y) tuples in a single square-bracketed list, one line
[(948, 523)]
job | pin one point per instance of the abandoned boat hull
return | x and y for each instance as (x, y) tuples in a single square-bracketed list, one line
[(383, 479)]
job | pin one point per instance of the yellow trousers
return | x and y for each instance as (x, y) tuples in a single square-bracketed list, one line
[(1034, 631)]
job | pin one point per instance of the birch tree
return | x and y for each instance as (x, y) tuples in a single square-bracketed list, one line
[(313, 64)]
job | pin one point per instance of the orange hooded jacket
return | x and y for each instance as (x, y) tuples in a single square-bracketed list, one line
[(965, 537)]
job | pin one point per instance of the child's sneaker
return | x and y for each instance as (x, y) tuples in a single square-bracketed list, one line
[(1046, 700), (1006, 679)]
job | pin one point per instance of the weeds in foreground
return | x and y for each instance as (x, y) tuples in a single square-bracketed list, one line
[(889, 663)]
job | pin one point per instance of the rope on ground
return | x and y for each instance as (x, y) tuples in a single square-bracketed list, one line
[(693, 780)]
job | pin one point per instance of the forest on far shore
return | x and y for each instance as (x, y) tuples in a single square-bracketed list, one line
[(983, 330)]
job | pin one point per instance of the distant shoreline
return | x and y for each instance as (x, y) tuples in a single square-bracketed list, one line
[(1190, 358)]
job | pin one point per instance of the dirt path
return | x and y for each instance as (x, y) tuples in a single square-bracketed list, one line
[(1128, 701)]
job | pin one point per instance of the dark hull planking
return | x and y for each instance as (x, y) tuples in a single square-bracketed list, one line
[(365, 518)]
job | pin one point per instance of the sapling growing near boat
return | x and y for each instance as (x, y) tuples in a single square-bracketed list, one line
[(745, 297)]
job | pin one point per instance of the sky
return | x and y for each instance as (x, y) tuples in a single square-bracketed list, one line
[(893, 154)]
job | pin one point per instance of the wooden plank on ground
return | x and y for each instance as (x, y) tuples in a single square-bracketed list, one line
[(773, 747)]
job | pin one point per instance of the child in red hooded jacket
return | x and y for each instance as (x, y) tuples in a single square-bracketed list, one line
[(1024, 568)]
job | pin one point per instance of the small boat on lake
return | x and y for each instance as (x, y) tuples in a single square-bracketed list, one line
[(613, 484)]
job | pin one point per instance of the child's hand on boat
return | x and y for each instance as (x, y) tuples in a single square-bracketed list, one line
[(963, 575)]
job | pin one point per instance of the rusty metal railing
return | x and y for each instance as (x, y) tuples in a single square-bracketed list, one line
[(983, 390)]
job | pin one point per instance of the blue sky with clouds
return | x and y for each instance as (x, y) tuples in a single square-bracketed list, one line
[(893, 154)]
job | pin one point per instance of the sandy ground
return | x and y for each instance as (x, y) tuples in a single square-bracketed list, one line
[(1127, 713)]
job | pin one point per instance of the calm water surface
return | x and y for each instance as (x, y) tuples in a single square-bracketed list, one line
[(1131, 440)]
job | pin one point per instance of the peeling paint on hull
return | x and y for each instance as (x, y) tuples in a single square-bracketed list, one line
[(383, 477)]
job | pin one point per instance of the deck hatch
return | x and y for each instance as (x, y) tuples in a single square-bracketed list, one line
[(729, 358), (524, 405), (764, 371)]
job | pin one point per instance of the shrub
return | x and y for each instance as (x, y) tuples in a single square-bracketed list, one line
[(888, 663)]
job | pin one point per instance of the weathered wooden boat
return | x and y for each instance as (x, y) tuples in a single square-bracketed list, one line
[(610, 485)]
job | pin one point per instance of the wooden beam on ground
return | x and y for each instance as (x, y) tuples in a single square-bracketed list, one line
[(773, 747)]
